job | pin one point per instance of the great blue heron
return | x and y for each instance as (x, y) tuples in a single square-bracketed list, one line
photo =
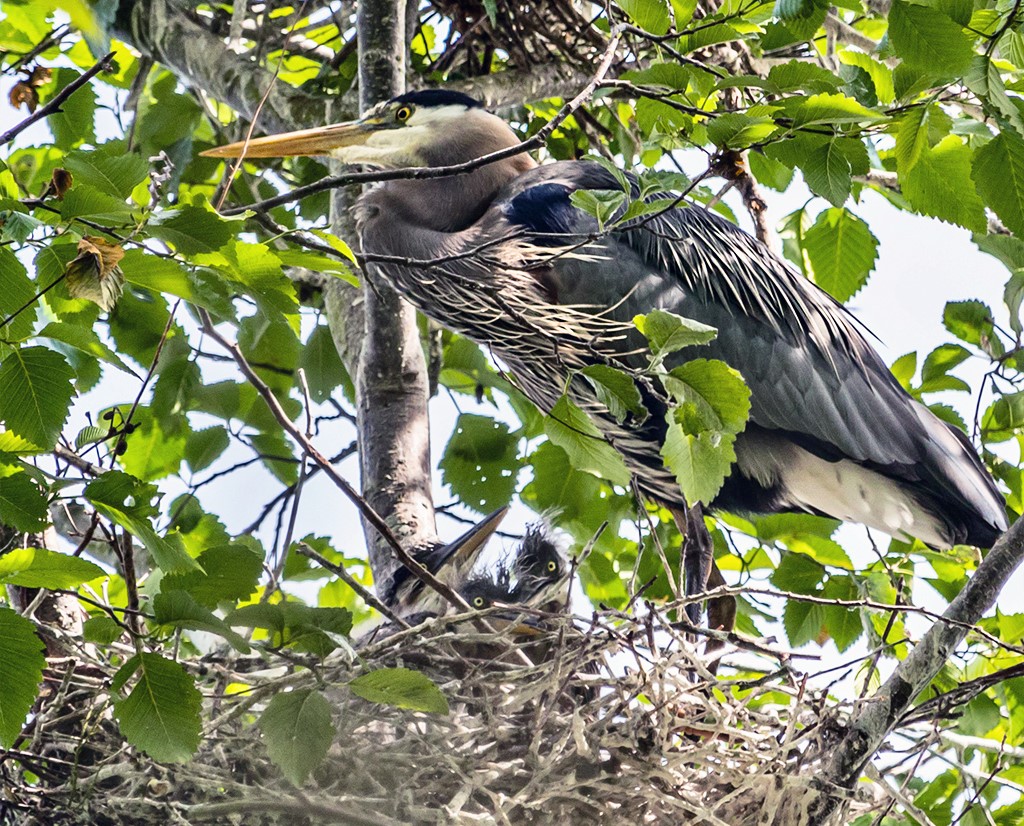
[(830, 432)]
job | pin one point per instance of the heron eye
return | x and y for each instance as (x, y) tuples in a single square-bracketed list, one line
[(403, 114), (478, 602), (552, 566)]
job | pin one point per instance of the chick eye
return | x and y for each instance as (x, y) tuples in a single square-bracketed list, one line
[(552, 566), (478, 602), (403, 114)]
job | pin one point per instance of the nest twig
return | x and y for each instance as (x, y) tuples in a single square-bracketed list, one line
[(608, 725)]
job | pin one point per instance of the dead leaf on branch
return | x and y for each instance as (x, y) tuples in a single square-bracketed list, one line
[(94, 274), (27, 91)]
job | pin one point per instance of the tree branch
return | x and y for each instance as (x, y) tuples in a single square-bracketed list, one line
[(871, 725)]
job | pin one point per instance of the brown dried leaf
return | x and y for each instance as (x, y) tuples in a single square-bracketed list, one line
[(21, 93), (40, 76), (60, 182), (94, 274)]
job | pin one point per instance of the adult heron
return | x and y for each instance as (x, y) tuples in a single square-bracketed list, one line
[(831, 431)]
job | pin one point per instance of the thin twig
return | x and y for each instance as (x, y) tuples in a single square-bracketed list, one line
[(53, 105)]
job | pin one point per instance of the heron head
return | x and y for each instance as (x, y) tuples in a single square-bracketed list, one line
[(431, 127)]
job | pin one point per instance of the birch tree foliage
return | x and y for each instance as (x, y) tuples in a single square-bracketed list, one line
[(121, 249)]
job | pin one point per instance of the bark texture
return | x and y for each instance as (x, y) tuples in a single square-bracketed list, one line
[(391, 380)]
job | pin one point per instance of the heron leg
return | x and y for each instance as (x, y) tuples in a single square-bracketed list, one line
[(701, 574)]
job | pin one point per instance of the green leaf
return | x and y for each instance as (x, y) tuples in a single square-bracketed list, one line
[(804, 622), (601, 203), (74, 121), (400, 687), (880, 74), (40, 568), (842, 252), (126, 501), (904, 369), (85, 201), (830, 108), (667, 332), (828, 173), (23, 505), (939, 184), (192, 229), (85, 340), (161, 714), (108, 168), (938, 363), (770, 172), (230, 573), (649, 15), (298, 731), (712, 404), (733, 130), (843, 624), (322, 365), (481, 462), (798, 574), (21, 663), (179, 609), (999, 175), (929, 40), (101, 630), (617, 391), (802, 75), (37, 394), (986, 81), (970, 321), (15, 297), (153, 451), (572, 430), (205, 446)]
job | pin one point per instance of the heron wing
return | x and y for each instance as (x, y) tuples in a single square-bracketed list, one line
[(814, 378)]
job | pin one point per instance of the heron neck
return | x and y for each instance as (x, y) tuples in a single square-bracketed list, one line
[(451, 204)]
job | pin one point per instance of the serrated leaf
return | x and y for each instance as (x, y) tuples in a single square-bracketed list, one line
[(323, 367), (970, 321), (15, 297), (84, 339), (999, 175), (84, 201), (802, 75), (649, 15), (904, 369), (36, 395), (842, 252), (880, 74), (192, 229), (481, 462), (400, 687), (161, 714), (828, 173), (986, 81), (21, 663), (108, 168), (832, 108), (572, 430), (929, 40), (205, 446), (23, 505), (940, 185), (600, 203), (40, 568), (230, 573), (803, 622), (74, 120), (177, 608), (733, 130), (297, 729), (617, 391), (102, 630), (844, 625), (667, 332), (797, 574), (126, 501), (711, 406)]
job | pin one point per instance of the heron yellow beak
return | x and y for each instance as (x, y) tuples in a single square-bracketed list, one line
[(320, 141)]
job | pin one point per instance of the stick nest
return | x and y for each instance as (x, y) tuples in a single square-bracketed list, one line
[(612, 721)]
